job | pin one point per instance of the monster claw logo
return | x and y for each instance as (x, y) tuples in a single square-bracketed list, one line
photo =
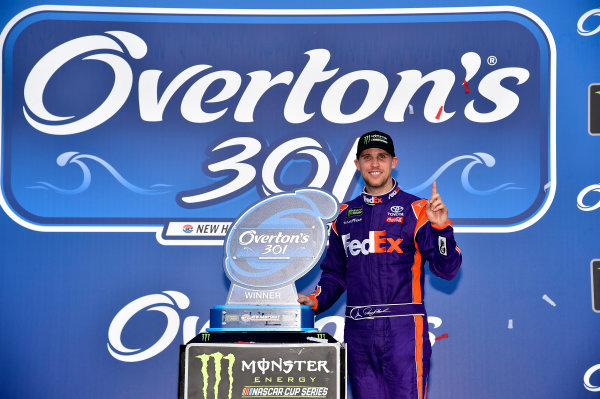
[(321, 336), (218, 359), (205, 337)]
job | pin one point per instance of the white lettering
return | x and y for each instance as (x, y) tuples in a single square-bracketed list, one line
[(259, 84), (313, 72), (376, 92), (245, 172), (356, 247), (411, 82), (193, 105), (247, 237), (287, 366), (250, 237), (300, 145), (152, 109), (262, 295), (249, 366), (49, 64), (506, 101)]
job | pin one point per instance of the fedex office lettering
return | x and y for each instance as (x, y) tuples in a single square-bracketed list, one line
[(118, 48), (376, 243)]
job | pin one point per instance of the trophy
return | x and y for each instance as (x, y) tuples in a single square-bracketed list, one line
[(269, 247)]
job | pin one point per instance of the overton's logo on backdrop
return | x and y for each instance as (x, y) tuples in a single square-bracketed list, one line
[(585, 31), (589, 191), (170, 304), (587, 377), (219, 127), (152, 105)]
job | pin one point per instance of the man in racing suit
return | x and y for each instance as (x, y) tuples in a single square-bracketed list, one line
[(378, 246)]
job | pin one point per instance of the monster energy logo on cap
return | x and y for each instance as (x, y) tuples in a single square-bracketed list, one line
[(219, 359), (375, 139)]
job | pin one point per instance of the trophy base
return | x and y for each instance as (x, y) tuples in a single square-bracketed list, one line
[(262, 318)]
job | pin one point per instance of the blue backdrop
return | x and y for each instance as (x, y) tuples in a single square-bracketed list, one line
[(132, 137)]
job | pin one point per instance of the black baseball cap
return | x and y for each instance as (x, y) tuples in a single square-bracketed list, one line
[(375, 139)]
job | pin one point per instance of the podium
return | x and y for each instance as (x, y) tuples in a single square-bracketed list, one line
[(265, 364)]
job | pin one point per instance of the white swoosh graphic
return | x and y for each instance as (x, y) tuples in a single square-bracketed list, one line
[(72, 157)]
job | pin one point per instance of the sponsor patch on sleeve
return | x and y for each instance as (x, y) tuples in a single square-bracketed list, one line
[(442, 246)]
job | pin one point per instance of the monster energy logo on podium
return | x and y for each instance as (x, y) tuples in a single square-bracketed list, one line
[(219, 360), (275, 370)]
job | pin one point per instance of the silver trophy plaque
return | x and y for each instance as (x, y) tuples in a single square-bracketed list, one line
[(269, 247)]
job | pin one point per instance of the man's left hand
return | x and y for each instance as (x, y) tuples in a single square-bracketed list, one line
[(437, 213)]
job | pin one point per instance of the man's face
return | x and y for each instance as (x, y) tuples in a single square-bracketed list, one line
[(375, 166)]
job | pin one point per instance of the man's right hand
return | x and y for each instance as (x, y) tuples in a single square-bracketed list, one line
[(306, 300)]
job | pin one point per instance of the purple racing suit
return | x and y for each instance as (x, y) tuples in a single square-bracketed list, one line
[(377, 249)]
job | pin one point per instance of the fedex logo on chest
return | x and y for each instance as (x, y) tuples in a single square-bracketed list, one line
[(377, 242)]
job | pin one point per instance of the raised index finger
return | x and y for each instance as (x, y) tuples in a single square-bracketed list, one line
[(433, 189)]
